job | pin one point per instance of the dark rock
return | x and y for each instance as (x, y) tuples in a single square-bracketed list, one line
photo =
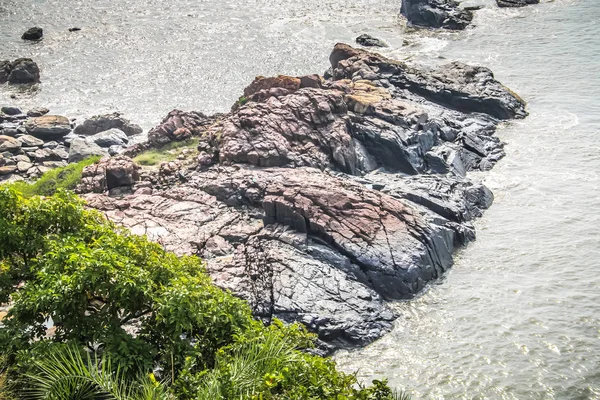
[(48, 126), (516, 3), (7, 169), (5, 68), (102, 123), (109, 174), (33, 34), (11, 110), (436, 14), (74, 29), (81, 149), (24, 70), (370, 41), (38, 112)]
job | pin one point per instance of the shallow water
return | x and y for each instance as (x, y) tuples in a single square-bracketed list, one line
[(518, 317)]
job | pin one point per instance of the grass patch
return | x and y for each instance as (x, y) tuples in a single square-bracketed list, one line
[(168, 152), (60, 178)]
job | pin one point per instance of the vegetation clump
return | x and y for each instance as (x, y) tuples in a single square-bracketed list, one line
[(168, 152), (97, 312), (65, 178)]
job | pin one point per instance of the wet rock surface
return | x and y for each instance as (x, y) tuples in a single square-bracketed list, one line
[(34, 33), (320, 200), (436, 14), (516, 3), (370, 41)]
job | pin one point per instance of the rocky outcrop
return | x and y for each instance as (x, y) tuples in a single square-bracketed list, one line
[(48, 126), (436, 14), (370, 41), (319, 200), (102, 123), (22, 70), (516, 3), (34, 33)]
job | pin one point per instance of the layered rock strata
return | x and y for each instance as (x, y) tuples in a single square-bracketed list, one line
[(320, 199)]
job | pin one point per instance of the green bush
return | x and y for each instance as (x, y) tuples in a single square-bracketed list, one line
[(60, 178), (120, 296)]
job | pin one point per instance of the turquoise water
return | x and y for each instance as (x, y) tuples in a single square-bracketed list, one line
[(519, 315)]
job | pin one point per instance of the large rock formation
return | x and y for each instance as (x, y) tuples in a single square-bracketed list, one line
[(436, 14), (320, 199)]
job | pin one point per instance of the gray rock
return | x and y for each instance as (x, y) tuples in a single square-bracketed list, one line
[(101, 123), (5, 68), (370, 41), (21, 157), (24, 70), (81, 149), (38, 112), (50, 145), (9, 144), (48, 126), (436, 14), (33, 34), (111, 137), (114, 150), (7, 169), (23, 166), (30, 141), (11, 110)]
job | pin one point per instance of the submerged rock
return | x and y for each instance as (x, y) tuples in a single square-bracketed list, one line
[(370, 41), (319, 200), (22, 70), (11, 110), (516, 3), (436, 14), (33, 34)]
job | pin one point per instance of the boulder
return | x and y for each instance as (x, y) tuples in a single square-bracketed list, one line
[(369, 41), (11, 110), (48, 126), (5, 67), (24, 166), (9, 144), (37, 112), (516, 3), (81, 149), (33, 34), (7, 169), (108, 174), (24, 70), (436, 14), (102, 123), (179, 125), (111, 137), (30, 141)]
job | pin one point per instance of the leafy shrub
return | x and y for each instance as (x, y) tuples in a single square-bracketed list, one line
[(60, 178), (108, 292)]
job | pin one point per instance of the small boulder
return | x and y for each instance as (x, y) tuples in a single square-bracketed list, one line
[(8, 143), (24, 166), (111, 137), (82, 149), (8, 169), (101, 123), (11, 110), (370, 41), (37, 112), (30, 141), (34, 33), (24, 70), (48, 126), (74, 29)]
